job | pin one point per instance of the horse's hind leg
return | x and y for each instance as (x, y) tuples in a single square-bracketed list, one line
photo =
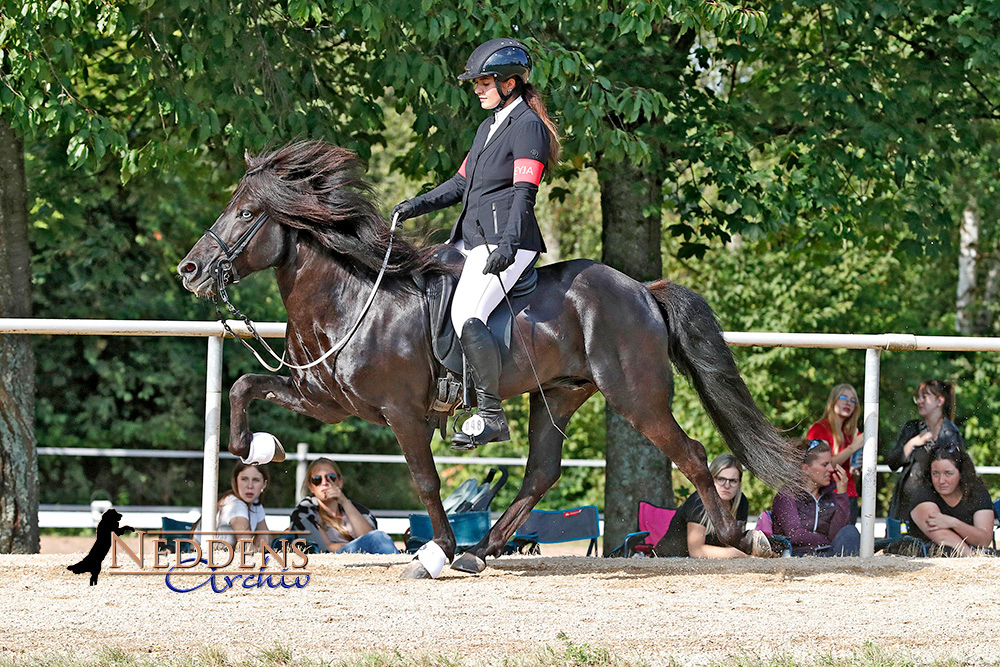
[(643, 397), (541, 471)]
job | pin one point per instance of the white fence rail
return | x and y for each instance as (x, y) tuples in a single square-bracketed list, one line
[(873, 343)]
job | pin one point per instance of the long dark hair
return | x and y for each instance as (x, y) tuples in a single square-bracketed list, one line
[(960, 459), (945, 390), (534, 100), (318, 188)]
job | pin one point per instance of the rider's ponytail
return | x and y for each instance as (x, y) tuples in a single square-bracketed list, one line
[(534, 100)]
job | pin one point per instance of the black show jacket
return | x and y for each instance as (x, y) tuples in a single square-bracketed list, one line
[(497, 184)]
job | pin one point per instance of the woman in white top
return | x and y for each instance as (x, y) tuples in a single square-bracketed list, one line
[(241, 515)]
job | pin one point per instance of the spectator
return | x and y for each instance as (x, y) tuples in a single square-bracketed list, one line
[(839, 428), (691, 532), (241, 515), (936, 406), (335, 523), (817, 520), (953, 509)]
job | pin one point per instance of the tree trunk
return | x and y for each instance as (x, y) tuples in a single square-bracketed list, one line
[(968, 240), (636, 469), (18, 462)]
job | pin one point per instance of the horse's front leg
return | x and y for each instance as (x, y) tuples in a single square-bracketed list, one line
[(414, 437), (278, 390), (543, 468)]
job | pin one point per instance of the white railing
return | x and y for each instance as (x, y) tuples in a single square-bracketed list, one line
[(873, 343)]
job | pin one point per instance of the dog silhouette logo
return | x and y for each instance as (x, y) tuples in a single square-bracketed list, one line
[(102, 545)]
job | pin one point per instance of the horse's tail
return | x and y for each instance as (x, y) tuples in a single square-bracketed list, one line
[(699, 351)]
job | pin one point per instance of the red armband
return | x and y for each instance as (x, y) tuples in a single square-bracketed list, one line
[(461, 170), (527, 170)]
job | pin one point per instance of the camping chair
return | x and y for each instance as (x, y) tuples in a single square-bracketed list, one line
[(554, 526), (653, 524), (178, 530), (468, 511)]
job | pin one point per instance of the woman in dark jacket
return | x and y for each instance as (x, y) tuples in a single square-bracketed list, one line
[(817, 521), (497, 230), (936, 406)]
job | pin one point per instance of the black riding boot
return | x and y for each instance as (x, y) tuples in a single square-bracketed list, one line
[(483, 353)]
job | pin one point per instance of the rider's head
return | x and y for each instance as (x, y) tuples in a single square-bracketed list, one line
[(499, 67)]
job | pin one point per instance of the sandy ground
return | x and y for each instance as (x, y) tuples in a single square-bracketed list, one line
[(687, 610)]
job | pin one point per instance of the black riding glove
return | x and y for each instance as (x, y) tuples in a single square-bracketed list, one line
[(501, 257), (404, 209)]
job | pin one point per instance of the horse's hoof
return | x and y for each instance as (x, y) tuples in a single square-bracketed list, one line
[(415, 570), (760, 546), (470, 563), (264, 448)]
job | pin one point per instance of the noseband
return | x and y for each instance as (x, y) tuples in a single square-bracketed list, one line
[(223, 269)]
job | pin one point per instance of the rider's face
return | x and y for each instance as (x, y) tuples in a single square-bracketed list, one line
[(486, 90)]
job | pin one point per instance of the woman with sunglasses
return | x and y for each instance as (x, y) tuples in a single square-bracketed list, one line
[(839, 428), (691, 532), (936, 406), (816, 520), (335, 523), (953, 510)]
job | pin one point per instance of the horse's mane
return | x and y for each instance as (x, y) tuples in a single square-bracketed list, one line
[(319, 188)]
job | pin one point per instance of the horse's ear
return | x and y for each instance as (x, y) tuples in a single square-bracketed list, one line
[(246, 157)]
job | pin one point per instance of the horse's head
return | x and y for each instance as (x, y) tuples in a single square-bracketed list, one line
[(245, 239)]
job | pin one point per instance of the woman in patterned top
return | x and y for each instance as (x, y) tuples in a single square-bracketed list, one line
[(335, 523)]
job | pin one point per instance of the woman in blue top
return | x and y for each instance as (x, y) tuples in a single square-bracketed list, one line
[(497, 230)]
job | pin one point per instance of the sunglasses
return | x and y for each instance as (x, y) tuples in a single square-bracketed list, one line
[(848, 399), (951, 448), (318, 479), (813, 444)]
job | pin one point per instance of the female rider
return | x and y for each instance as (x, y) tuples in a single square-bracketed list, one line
[(497, 230)]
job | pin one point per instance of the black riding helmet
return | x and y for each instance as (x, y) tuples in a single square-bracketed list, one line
[(500, 58)]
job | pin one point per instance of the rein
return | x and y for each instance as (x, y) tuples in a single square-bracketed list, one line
[(224, 272)]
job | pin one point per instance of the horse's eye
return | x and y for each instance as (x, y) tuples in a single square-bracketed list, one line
[(245, 214)]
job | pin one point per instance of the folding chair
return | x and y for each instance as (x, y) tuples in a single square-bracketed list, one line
[(178, 530), (554, 526), (653, 523)]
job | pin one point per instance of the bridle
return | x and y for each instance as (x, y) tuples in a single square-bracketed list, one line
[(224, 272)]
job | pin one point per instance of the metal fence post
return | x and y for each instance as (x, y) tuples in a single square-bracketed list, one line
[(213, 426), (300, 471), (870, 452)]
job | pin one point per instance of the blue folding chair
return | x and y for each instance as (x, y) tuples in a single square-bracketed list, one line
[(178, 530), (554, 526)]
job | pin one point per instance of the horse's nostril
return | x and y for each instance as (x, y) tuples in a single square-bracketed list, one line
[(188, 267)]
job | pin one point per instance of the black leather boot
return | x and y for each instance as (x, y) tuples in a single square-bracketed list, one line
[(483, 353)]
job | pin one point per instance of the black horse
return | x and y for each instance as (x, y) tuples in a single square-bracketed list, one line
[(305, 211)]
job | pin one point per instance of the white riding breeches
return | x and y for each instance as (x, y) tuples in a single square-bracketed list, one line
[(476, 294)]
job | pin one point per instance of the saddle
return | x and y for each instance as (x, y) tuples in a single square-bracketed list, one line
[(439, 289)]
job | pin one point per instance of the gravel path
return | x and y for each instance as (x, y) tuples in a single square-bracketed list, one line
[(692, 611)]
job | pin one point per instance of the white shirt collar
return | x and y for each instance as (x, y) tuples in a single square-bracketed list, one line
[(501, 116)]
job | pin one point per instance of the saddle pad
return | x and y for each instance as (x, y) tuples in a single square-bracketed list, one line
[(440, 289)]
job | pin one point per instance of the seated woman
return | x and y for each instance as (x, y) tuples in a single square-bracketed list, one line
[(936, 406), (817, 520), (691, 532), (240, 512), (335, 523), (953, 509)]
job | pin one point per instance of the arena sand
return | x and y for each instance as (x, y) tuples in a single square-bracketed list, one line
[(686, 611)]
